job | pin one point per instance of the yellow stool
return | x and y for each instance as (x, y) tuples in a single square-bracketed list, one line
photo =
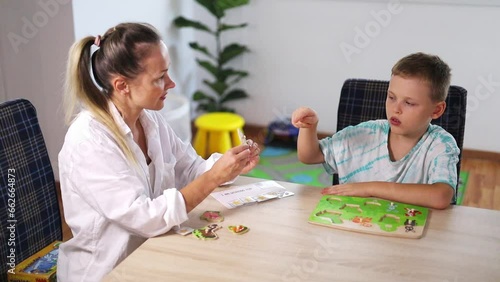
[(221, 131)]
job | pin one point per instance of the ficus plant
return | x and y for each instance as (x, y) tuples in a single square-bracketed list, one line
[(223, 86)]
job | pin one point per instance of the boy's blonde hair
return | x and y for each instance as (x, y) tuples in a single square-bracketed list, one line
[(429, 68)]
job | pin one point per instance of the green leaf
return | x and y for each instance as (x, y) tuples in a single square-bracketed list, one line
[(201, 96), (209, 67), (202, 49), (230, 52), (224, 27), (212, 7), (217, 7), (226, 73), (226, 109), (229, 4), (235, 94), (218, 86), (208, 107), (183, 22)]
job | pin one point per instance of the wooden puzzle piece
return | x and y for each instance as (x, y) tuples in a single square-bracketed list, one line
[(212, 216), (363, 221), (410, 225), (238, 229), (412, 212), (208, 232)]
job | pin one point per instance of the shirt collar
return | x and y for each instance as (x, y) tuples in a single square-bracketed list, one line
[(118, 118), (145, 117)]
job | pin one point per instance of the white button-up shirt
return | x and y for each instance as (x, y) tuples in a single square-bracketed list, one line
[(110, 204)]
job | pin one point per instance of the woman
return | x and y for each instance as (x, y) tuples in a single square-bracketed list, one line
[(125, 176)]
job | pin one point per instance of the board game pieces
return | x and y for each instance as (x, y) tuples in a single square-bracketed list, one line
[(212, 216), (238, 229), (208, 232), (370, 215), (183, 230)]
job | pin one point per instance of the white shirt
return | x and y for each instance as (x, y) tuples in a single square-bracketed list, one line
[(112, 206), (359, 154)]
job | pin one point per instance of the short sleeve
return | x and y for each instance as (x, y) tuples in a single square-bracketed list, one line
[(443, 166)]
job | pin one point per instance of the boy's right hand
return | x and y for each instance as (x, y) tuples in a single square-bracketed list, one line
[(304, 117)]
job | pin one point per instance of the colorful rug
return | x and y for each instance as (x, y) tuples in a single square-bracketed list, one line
[(282, 164), (462, 185)]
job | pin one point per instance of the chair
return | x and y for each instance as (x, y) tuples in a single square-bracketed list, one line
[(25, 171), (364, 99)]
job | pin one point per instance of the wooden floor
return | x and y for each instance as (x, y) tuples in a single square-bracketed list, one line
[(483, 187)]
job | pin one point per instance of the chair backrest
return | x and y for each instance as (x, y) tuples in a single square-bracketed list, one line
[(31, 218), (364, 99)]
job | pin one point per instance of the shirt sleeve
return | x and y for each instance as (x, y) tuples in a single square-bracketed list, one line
[(443, 166), (326, 147), (106, 181)]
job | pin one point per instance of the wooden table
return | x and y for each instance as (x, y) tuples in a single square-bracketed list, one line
[(459, 244)]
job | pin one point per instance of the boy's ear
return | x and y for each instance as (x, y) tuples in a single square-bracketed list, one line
[(439, 109)]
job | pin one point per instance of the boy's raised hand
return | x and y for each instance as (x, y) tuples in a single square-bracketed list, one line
[(304, 117)]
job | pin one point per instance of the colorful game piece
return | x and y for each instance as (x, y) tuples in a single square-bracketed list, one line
[(370, 215), (208, 232), (183, 230), (238, 229), (212, 216)]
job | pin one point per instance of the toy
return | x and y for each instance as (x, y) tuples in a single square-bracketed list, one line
[(283, 132), (370, 215)]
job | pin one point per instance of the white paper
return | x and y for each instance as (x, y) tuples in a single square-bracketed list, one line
[(251, 193)]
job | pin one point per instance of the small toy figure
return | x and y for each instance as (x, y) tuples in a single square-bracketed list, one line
[(410, 225), (392, 207), (412, 212)]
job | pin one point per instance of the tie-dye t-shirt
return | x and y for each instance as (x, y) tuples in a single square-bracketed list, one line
[(360, 154)]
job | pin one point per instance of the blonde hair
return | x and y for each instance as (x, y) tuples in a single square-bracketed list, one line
[(122, 49)]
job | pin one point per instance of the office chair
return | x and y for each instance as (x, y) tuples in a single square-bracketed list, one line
[(30, 216), (364, 99)]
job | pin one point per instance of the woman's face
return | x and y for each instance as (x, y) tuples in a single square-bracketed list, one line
[(149, 89)]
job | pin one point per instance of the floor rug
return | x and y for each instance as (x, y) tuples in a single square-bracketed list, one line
[(280, 163)]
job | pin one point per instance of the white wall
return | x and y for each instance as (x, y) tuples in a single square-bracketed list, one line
[(297, 59), (35, 38), (89, 20)]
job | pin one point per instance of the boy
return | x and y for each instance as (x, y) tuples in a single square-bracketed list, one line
[(404, 158)]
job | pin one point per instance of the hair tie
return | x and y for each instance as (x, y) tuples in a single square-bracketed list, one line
[(97, 41)]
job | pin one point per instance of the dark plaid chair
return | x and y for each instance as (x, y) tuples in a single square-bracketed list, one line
[(364, 99), (26, 171)]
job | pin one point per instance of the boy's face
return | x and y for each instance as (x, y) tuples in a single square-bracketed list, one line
[(409, 107)]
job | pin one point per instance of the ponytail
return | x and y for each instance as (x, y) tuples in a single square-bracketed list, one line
[(80, 91)]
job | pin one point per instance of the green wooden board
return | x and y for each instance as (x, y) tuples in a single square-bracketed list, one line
[(370, 215)]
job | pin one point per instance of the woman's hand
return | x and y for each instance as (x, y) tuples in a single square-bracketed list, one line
[(237, 160), (253, 160)]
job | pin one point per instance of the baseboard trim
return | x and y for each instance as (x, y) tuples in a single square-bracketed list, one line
[(483, 155)]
